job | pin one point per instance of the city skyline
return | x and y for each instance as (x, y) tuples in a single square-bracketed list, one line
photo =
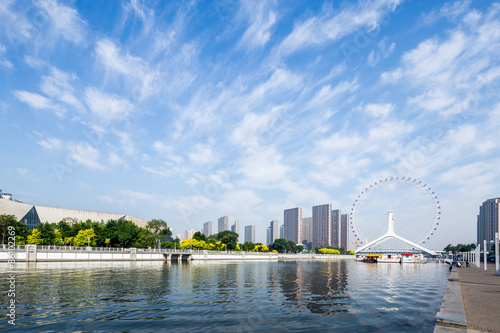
[(185, 111)]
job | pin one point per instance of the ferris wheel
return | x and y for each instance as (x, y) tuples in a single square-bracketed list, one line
[(412, 205)]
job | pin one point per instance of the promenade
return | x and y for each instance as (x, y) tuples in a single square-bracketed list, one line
[(480, 296)]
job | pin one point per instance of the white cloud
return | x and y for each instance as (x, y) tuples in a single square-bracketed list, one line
[(37, 101), (126, 141), (115, 160), (379, 110), (202, 154), (261, 20), (107, 107), (263, 168), (141, 79), (328, 28), (57, 86), (65, 20), (82, 153), (52, 144)]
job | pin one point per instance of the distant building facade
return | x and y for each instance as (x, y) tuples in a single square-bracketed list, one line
[(189, 233), (344, 231), (236, 228), (322, 219), (292, 221), (336, 234), (207, 228), (33, 215), (488, 222), (223, 223), (268, 236), (282, 231), (274, 229), (307, 230), (250, 233)]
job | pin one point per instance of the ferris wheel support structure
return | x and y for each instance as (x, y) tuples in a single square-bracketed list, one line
[(392, 234)]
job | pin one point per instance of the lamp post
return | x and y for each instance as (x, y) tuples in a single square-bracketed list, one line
[(88, 238)]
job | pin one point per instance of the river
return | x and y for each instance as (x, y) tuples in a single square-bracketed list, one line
[(230, 296)]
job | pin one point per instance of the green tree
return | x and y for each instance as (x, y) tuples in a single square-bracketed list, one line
[(35, 237), (58, 239), (126, 233), (145, 238), (281, 245), (48, 233), (247, 246), (82, 239), (230, 238), (199, 236), (5, 222), (64, 227), (159, 227)]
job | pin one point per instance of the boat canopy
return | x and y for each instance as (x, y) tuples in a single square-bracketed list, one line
[(374, 255)]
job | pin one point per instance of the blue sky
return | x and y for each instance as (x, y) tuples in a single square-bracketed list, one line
[(188, 111)]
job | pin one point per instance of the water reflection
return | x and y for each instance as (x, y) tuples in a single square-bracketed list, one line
[(319, 287), (303, 296)]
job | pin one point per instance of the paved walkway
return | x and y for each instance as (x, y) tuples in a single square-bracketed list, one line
[(481, 298)]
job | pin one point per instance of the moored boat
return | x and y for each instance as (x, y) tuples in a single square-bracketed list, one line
[(371, 258)]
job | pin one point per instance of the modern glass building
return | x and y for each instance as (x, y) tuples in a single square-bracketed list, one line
[(488, 222)]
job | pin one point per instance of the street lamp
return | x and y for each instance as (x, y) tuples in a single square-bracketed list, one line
[(88, 240)]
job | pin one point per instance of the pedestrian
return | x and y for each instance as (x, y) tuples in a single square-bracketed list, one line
[(467, 263)]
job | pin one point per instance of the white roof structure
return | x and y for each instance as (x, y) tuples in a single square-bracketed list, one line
[(55, 215)]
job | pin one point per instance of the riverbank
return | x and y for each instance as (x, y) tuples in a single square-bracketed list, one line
[(471, 302), (68, 253)]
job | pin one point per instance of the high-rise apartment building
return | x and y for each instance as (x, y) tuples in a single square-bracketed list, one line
[(207, 228), (307, 230), (344, 231), (293, 224), (274, 230), (282, 231), (488, 222), (322, 218), (236, 228), (250, 233), (335, 236), (223, 223), (268, 236), (189, 233)]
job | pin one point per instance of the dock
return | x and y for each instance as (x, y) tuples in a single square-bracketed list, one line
[(471, 302)]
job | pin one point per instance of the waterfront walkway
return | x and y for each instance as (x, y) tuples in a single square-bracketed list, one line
[(480, 307)]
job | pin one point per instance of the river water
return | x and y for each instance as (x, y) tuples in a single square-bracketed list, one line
[(231, 296)]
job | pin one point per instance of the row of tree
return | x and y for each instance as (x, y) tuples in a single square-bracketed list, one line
[(460, 248), (228, 240), (116, 233)]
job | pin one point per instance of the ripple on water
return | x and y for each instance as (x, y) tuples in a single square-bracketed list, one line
[(302, 296)]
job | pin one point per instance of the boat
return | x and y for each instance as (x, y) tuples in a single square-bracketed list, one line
[(390, 259), (371, 258), (415, 258)]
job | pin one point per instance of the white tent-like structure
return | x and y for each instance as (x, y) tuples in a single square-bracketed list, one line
[(392, 234)]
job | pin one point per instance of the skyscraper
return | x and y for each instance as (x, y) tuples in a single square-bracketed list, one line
[(274, 230), (307, 230), (293, 224), (488, 222), (189, 233), (344, 231), (207, 228), (223, 223), (250, 233), (322, 225), (282, 231), (268, 236), (335, 235), (236, 228)]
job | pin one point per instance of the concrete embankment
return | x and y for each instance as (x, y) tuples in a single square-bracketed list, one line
[(451, 317), (30, 253)]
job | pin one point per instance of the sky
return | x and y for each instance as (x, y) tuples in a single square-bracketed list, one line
[(190, 110)]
